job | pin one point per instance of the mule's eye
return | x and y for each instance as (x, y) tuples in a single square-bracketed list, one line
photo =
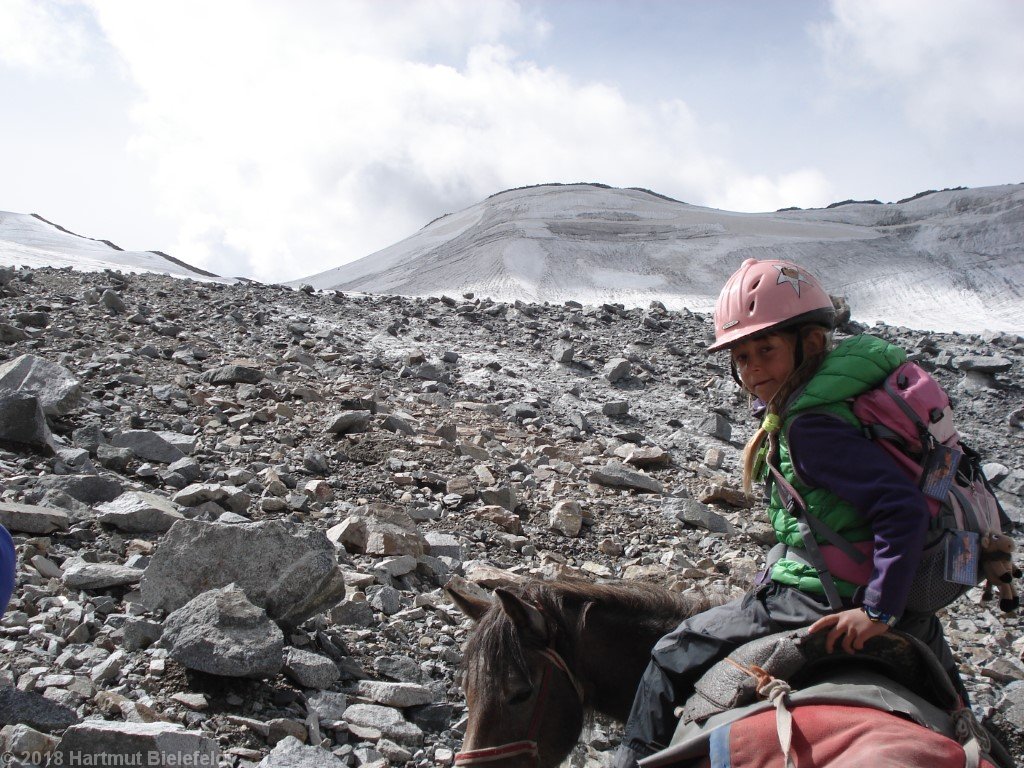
[(520, 696)]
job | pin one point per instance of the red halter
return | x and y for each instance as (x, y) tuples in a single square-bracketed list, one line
[(529, 745)]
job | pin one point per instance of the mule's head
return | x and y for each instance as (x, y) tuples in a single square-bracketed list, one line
[(525, 704)]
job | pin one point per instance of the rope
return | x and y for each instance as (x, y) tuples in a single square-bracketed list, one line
[(972, 736), (776, 691)]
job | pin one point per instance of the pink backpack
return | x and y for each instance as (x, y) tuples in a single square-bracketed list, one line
[(910, 416)]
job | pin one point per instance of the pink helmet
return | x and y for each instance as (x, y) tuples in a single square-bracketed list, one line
[(768, 295)]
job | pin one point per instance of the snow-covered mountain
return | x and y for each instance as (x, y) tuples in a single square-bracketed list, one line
[(32, 241), (950, 260)]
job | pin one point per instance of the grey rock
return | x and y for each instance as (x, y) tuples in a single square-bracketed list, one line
[(1013, 482), (399, 695), (199, 493), (983, 364), (503, 496), (379, 529), (79, 574), (22, 421), (432, 717), (716, 425), (113, 302), (89, 437), (137, 512), (88, 489), (328, 705), (289, 752), (692, 512), (352, 614), (59, 392), (103, 742), (615, 408), (567, 517), (397, 424), (232, 374), (444, 545), (27, 518), (109, 669), (141, 633), (615, 475), (9, 334), (116, 459), (221, 632), (400, 668), (188, 468), (387, 721), (31, 709), (563, 352), (147, 445), (24, 742), (617, 369), (310, 670), (387, 600), (290, 571), (349, 422)]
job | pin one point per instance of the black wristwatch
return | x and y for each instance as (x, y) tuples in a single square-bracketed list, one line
[(880, 616)]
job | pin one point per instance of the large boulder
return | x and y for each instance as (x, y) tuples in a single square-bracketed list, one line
[(28, 518), (102, 742), (291, 572), (34, 710), (221, 633), (59, 392), (22, 421), (138, 512)]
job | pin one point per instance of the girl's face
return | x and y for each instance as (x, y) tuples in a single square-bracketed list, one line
[(765, 363)]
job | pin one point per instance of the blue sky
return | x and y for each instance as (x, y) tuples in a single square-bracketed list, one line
[(274, 140)]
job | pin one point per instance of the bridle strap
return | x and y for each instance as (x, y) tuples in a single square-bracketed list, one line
[(488, 754), (529, 745), (555, 658)]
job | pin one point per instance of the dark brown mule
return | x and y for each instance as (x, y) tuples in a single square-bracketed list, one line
[(545, 654)]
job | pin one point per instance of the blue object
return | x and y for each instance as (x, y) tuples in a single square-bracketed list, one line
[(8, 568)]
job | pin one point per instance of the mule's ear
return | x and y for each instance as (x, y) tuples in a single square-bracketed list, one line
[(524, 615), (470, 604)]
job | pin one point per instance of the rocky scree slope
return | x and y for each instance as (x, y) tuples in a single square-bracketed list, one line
[(235, 505)]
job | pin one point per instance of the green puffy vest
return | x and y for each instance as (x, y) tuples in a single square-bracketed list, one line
[(856, 365)]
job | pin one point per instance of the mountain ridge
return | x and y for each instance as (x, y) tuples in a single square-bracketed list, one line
[(32, 240), (594, 243)]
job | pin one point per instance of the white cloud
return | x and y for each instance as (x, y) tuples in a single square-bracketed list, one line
[(289, 138), (43, 37), (804, 188), (952, 63)]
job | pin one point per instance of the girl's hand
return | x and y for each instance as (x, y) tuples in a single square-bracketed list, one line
[(853, 625)]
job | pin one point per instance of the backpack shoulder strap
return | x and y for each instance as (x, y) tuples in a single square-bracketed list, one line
[(809, 525)]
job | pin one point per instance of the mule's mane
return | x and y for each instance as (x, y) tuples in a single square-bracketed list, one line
[(496, 640)]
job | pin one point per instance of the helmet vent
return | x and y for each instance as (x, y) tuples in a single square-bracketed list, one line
[(750, 308), (756, 283)]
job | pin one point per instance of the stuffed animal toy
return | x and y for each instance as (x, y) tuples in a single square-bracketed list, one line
[(997, 564)]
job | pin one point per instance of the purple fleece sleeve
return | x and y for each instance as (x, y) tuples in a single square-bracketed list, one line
[(831, 454)]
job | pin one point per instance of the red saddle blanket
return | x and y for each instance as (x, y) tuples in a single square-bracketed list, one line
[(834, 736)]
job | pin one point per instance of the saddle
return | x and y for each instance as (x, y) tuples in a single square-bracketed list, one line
[(895, 673)]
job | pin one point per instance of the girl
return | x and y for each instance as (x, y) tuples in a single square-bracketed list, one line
[(776, 321)]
